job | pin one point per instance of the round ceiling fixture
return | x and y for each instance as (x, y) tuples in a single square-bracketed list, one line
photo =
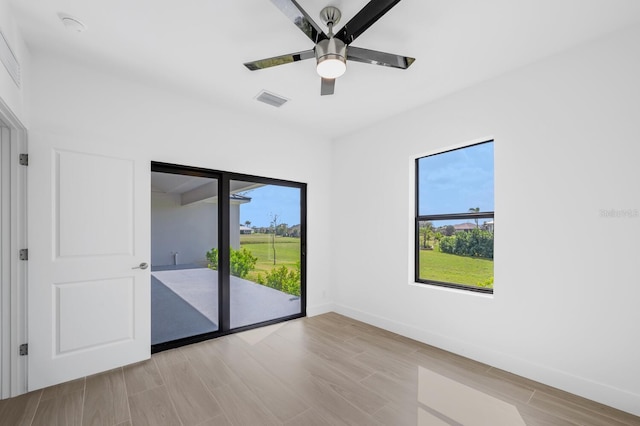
[(72, 23), (331, 57)]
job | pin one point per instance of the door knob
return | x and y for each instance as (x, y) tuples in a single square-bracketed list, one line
[(143, 265)]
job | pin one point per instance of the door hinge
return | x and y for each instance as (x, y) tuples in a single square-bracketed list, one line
[(24, 254), (24, 349), (24, 159)]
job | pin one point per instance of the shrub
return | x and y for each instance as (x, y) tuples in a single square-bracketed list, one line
[(212, 257), (475, 243), (241, 261), (282, 279)]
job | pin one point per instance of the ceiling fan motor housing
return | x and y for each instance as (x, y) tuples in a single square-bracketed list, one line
[(331, 48)]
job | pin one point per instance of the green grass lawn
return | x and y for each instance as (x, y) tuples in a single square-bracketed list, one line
[(433, 264), (287, 252), (454, 269)]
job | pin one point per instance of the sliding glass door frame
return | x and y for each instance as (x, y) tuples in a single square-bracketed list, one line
[(224, 243)]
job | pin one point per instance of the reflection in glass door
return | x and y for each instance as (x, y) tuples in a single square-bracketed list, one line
[(184, 236), (265, 253)]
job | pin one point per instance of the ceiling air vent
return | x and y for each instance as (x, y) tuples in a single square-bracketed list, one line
[(271, 99), (9, 60)]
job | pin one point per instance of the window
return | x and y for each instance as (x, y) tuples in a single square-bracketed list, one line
[(454, 225)]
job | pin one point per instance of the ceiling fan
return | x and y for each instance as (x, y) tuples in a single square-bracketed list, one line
[(333, 50)]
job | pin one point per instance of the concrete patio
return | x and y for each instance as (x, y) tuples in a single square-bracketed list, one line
[(184, 302)]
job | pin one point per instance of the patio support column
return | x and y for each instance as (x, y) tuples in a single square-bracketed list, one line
[(224, 269)]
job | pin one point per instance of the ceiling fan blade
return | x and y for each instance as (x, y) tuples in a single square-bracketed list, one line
[(367, 16), (378, 58), (301, 19), (280, 60), (327, 86)]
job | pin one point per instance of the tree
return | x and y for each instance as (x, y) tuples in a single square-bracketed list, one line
[(449, 230), (438, 237), (426, 231), (281, 229), (247, 223), (475, 210), (273, 227)]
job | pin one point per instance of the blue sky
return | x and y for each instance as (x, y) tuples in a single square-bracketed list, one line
[(268, 200), (450, 182), (453, 182)]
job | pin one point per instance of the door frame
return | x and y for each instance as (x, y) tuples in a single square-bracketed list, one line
[(13, 291), (224, 273)]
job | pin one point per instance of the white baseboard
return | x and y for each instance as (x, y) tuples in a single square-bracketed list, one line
[(323, 308), (600, 392)]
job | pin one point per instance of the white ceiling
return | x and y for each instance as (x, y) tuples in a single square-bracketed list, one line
[(169, 183), (199, 46)]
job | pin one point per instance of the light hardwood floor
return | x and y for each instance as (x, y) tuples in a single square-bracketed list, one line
[(325, 370)]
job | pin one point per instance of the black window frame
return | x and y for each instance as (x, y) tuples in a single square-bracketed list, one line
[(434, 217)]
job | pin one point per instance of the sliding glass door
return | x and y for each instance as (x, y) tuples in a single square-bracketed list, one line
[(184, 232), (265, 252), (227, 253)]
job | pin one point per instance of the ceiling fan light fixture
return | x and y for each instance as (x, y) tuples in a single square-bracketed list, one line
[(331, 56), (329, 67)]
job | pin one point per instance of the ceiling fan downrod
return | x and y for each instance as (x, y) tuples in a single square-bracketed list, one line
[(330, 16)]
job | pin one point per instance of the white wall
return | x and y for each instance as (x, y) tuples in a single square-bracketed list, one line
[(565, 308), (189, 230), (10, 93), (86, 106)]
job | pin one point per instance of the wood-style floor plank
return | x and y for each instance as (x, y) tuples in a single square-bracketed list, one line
[(192, 401), (308, 364), (278, 398), (332, 406), (105, 399), (153, 407), (325, 370), (62, 410), (582, 403), (19, 411), (142, 376), (477, 378), (309, 417), (217, 421), (564, 409), (392, 414), (63, 389), (241, 407), (212, 371)]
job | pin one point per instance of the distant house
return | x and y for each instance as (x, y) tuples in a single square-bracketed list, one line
[(465, 227), (488, 226), (294, 231), (245, 230)]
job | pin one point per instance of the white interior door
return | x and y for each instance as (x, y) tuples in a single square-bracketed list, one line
[(89, 310)]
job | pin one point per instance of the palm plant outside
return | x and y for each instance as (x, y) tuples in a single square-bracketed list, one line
[(475, 210)]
